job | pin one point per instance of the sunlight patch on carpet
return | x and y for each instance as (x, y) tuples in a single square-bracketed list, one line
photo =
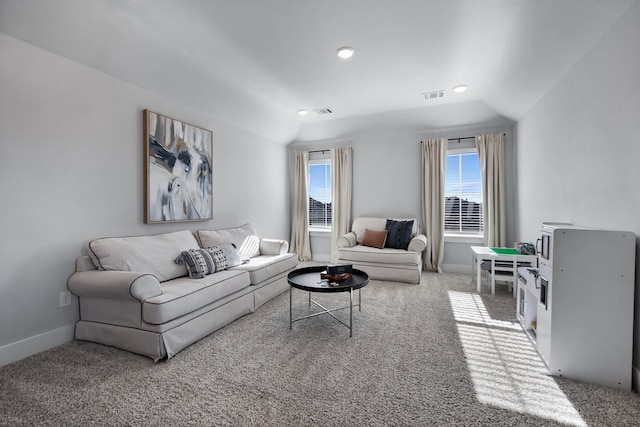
[(505, 369)]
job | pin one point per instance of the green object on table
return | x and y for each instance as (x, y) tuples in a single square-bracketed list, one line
[(506, 251)]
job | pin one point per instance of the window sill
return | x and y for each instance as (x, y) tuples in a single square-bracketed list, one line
[(319, 232), (464, 238)]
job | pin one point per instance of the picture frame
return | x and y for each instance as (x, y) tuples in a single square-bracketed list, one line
[(177, 170)]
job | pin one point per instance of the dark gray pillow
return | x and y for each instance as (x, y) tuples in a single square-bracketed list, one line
[(398, 234)]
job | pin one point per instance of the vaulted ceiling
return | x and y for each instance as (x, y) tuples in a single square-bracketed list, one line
[(255, 63)]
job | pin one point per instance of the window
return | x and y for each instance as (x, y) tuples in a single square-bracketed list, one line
[(463, 193), (320, 194)]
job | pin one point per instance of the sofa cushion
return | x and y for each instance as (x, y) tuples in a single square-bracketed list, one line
[(263, 267), (244, 237), (374, 238), (360, 254), (201, 262), (146, 254), (184, 295), (398, 234)]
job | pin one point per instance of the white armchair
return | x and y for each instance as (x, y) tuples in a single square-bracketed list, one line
[(393, 264)]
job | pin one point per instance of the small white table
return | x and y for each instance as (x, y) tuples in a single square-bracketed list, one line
[(508, 262)]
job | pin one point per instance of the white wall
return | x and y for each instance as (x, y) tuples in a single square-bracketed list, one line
[(72, 152), (386, 180), (579, 147)]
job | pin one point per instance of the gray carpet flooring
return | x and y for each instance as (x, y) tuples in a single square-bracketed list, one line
[(434, 354)]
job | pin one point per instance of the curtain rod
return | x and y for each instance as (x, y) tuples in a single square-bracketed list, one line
[(457, 139), (464, 137), (319, 151)]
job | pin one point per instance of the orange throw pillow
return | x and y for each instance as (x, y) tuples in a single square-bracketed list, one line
[(374, 238)]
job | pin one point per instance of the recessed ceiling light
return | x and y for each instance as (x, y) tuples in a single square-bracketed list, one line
[(303, 112), (345, 52), (460, 88)]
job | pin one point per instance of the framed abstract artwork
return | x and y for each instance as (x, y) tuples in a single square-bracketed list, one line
[(177, 170)]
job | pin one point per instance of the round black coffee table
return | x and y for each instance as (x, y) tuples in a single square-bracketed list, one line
[(308, 279)]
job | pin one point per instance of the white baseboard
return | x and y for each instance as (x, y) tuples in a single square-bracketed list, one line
[(20, 349), (635, 379)]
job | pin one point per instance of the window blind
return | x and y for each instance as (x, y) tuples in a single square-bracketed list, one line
[(463, 194), (320, 194)]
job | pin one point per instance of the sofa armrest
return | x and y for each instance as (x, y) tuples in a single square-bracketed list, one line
[(347, 240), (122, 285), (273, 247), (418, 243)]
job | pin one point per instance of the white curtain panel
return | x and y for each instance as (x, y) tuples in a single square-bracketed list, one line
[(300, 244), (341, 184), (491, 156), (434, 155)]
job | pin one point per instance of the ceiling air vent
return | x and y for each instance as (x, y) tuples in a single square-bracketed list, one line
[(323, 111), (428, 96)]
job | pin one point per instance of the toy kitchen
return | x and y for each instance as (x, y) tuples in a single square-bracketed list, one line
[(577, 306)]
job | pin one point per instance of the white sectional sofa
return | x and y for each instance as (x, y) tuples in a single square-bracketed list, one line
[(396, 263), (134, 295)]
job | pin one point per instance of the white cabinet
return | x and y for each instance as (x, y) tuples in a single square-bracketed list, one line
[(584, 295)]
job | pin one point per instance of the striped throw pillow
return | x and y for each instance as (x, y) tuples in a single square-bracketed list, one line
[(201, 262), (198, 262)]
